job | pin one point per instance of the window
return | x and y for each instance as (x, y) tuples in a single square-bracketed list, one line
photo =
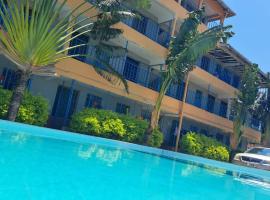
[(194, 129), (205, 63), (140, 24), (180, 91), (223, 109), (146, 115), (236, 81), (122, 108), (174, 127), (198, 99), (130, 70), (62, 99), (211, 103), (8, 79), (93, 101), (204, 132), (219, 137), (82, 50), (2, 9), (218, 71)]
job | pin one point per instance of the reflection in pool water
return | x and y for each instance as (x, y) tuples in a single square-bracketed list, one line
[(34, 167)]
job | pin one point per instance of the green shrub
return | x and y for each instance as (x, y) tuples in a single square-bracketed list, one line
[(33, 109), (109, 124), (217, 153), (201, 145), (156, 139), (113, 128)]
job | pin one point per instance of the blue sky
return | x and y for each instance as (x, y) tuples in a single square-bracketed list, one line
[(252, 28)]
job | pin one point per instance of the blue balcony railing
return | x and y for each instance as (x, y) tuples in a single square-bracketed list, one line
[(207, 103), (151, 29), (218, 71), (148, 27), (134, 71)]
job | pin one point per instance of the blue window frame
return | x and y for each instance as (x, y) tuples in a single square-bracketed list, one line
[(205, 63), (194, 129), (8, 79), (61, 101), (140, 24), (131, 69), (236, 81), (218, 71), (211, 103), (122, 108), (2, 8), (82, 50), (180, 91), (219, 137), (146, 115), (198, 99), (93, 101), (155, 83), (204, 132), (223, 109)]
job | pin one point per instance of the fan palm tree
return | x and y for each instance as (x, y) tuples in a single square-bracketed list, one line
[(184, 51), (244, 103), (35, 35), (262, 112)]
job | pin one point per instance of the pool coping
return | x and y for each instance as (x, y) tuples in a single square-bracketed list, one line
[(86, 139)]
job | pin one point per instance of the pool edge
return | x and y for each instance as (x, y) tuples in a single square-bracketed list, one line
[(86, 139)]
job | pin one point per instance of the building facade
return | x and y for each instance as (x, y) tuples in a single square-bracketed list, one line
[(211, 86)]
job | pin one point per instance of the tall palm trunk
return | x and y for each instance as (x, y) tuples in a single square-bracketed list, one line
[(235, 135), (266, 140), (17, 95), (156, 111)]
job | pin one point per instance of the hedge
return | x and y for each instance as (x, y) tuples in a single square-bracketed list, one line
[(112, 125), (200, 145), (33, 109)]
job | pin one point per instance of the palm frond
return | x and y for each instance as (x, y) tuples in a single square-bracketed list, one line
[(109, 73)]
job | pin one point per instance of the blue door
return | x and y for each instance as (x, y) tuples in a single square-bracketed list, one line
[(64, 106), (131, 69), (211, 103), (198, 99), (223, 109)]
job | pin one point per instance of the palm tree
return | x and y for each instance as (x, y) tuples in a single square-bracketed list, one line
[(184, 51), (262, 112), (35, 37), (244, 103)]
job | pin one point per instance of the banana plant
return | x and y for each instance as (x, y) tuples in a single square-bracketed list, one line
[(35, 35)]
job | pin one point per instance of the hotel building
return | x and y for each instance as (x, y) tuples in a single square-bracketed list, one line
[(211, 86)]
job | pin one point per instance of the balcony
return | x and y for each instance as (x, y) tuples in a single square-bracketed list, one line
[(160, 33), (208, 103), (217, 107), (219, 71)]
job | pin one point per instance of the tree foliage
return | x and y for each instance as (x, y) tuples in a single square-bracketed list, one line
[(185, 49), (262, 112), (244, 102)]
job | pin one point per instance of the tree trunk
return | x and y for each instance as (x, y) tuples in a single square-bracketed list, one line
[(266, 140), (156, 112), (17, 95), (236, 135)]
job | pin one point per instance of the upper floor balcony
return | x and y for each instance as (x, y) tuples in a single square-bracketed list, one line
[(156, 22), (214, 10), (222, 73)]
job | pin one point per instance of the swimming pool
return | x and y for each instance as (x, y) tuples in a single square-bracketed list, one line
[(38, 163)]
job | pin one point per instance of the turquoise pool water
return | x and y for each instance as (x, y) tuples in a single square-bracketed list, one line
[(46, 164)]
